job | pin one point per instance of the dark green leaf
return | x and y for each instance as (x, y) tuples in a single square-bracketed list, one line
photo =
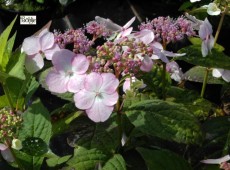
[(86, 159), (215, 59), (103, 136), (197, 74), (32, 87), (3, 46), (34, 146), (115, 163), (3, 77), (4, 101), (166, 120), (163, 160), (185, 6)]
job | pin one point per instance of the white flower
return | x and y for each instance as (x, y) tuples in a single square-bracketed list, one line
[(216, 161), (213, 9), (194, 0), (225, 74), (16, 144)]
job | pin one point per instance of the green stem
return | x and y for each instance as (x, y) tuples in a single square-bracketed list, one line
[(204, 83), (215, 39), (164, 81)]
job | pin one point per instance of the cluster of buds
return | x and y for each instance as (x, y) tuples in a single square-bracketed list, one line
[(168, 30), (76, 37), (10, 123), (97, 29)]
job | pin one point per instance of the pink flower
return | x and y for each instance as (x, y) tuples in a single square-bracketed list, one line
[(98, 96), (68, 73), (175, 71), (110, 25), (205, 33), (36, 47), (6, 153)]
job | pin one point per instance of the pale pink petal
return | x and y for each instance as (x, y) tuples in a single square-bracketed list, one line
[(203, 32), (108, 23), (147, 64), (157, 45), (110, 83), (146, 36), (126, 32), (57, 82), (31, 45), (210, 42), (171, 54), (129, 23), (46, 40), (217, 72), (84, 99), (216, 161), (109, 99), (2, 146), (7, 155), (44, 31), (226, 75), (76, 83), (80, 64), (204, 48), (50, 52), (99, 112), (34, 63), (93, 82), (126, 85), (62, 60)]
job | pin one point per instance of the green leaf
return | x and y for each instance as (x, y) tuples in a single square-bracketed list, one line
[(200, 107), (42, 80), (103, 136), (52, 162), (32, 87), (64, 123), (115, 163), (86, 159), (4, 101), (166, 120), (198, 41), (3, 39), (3, 77), (28, 162), (215, 59), (162, 160), (8, 50), (34, 146), (36, 122), (197, 74), (216, 137), (16, 65), (185, 6)]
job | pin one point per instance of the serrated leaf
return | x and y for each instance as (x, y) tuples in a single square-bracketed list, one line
[(36, 122), (52, 162), (8, 50), (3, 39), (115, 163), (32, 87), (28, 162), (16, 65), (162, 160), (86, 159), (198, 106), (103, 136), (215, 59), (166, 120), (197, 74), (42, 80)]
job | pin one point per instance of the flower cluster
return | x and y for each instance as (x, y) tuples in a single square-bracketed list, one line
[(93, 76), (168, 30), (9, 124)]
